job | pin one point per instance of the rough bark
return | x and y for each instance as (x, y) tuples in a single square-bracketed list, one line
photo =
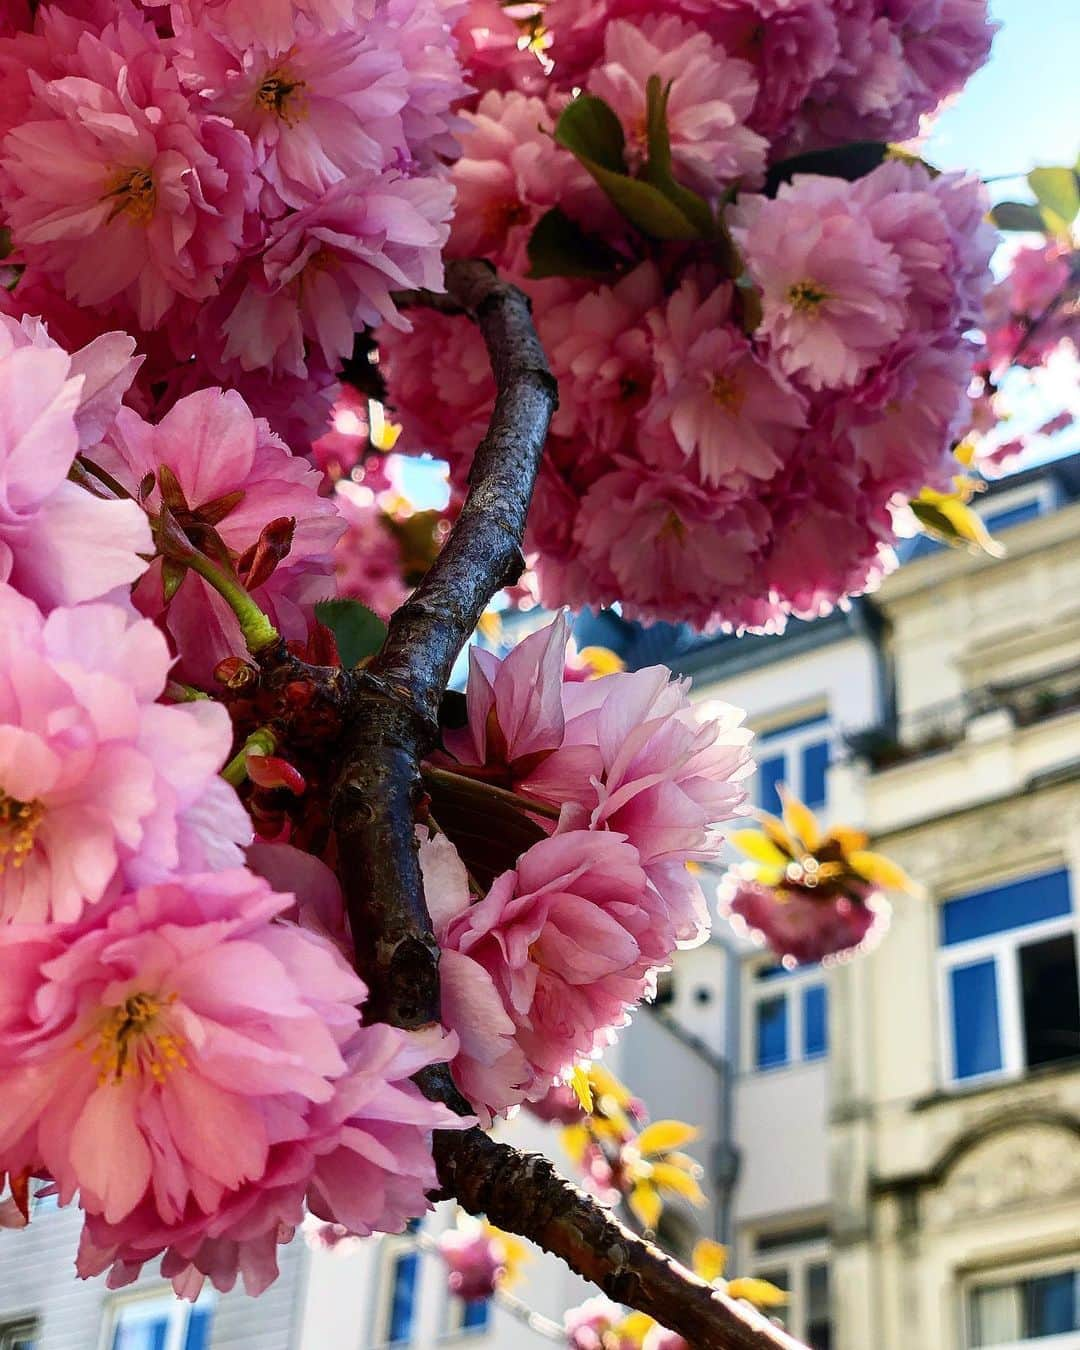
[(391, 724)]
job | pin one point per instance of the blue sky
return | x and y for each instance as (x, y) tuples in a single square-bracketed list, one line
[(1023, 107)]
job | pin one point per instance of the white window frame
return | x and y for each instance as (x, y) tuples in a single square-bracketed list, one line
[(1070, 1340), (764, 991), (1004, 949), (149, 1305), (1042, 493), (772, 739), (796, 1258)]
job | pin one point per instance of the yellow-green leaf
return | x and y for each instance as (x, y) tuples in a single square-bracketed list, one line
[(760, 1293), (882, 871), (709, 1260), (634, 1328), (601, 660), (671, 1178), (646, 1205), (759, 847), (575, 1140), (579, 1081), (778, 834), (800, 820), (664, 1135)]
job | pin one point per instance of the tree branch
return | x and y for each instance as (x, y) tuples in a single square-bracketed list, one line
[(391, 724), (523, 1193)]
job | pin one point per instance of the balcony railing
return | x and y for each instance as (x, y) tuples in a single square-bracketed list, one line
[(940, 726)]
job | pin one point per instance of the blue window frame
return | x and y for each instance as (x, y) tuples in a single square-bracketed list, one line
[(771, 1033), (158, 1323), (403, 1298), (815, 1021), (976, 1020), (1002, 908)]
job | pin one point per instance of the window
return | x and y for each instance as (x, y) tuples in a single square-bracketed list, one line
[(797, 1262), (472, 1317), (798, 755), (406, 1267), (1040, 1308), (1009, 978), (400, 1302), (789, 1013), (19, 1335), (160, 1322)]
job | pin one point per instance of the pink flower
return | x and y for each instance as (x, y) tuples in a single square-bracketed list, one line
[(904, 422), (510, 173), (489, 43), (475, 1261), (367, 557), (659, 1338), (832, 291), (330, 268), (324, 107), (568, 941), (625, 752), (711, 99), (141, 199), (728, 410), (558, 1106), (515, 706), (489, 1068), (96, 778), (1036, 276), (663, 547), (141, 1052), (272, 22), (362, 1160), (420, 31), (440, 387), (594, 1325), (802, 930), (601, 352), (60, 544), (236, 477)]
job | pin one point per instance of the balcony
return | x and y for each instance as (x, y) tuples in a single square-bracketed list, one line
[(941, 726)]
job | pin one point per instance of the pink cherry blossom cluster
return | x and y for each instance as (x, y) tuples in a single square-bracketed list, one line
[(240, 185), (628, 786), (743, 402), (180, 1041)]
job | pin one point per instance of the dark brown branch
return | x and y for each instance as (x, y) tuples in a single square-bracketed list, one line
[(394, 721), (522, 1193), (392, 725)]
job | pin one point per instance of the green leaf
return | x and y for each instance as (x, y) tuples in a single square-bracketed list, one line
[(1018, 216), (358, 631), (593, 134), (1058, 194), (591, 131), (851, 161), (559, 247), (658, 166)]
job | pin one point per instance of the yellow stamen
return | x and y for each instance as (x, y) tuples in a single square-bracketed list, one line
[(728, 393), (18, 826), (806, 296), (134, 1038), (276, 95), (135, 192)]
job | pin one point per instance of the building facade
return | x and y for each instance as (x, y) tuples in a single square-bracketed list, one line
[(896, 1139)]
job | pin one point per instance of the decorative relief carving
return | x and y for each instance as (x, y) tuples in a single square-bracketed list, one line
[(1026, 830), (1031, 1165)]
